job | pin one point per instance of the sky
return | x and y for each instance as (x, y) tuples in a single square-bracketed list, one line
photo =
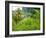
[(15, 8)]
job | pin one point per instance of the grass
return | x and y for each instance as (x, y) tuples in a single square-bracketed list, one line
[(26, 24)]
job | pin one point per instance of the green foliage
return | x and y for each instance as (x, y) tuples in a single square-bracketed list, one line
[(29, 22)]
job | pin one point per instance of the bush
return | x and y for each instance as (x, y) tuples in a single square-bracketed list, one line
[(31, 22)]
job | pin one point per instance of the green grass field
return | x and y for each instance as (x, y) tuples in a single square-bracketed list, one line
[(26, 24)]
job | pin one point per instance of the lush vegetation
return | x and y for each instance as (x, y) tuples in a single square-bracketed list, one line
[(26, 19)]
